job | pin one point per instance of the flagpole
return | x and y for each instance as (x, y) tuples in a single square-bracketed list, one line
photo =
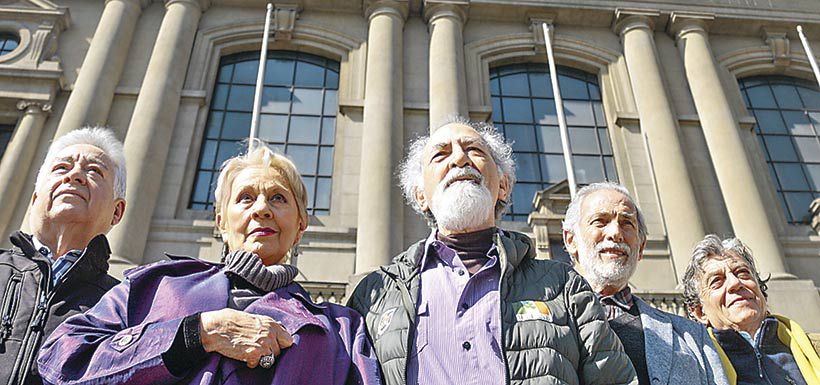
[(809, 53), (260, 77), (559, 109)]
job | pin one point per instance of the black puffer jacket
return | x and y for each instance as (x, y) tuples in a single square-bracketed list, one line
[(30, 308)]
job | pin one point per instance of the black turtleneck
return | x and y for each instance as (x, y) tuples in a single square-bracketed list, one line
[(472, 248)]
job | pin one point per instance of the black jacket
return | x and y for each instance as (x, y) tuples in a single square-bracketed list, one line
[(31, 308)]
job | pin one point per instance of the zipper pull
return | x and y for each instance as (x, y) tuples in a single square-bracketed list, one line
[(6, 333), (40, 317)]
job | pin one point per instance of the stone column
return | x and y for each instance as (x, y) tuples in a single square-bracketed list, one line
[(448, 84), (379, 227), (16, 163), (93, 92), (745, 204), (684, 226), (149, 134)]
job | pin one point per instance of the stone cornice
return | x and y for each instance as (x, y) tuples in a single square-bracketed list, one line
[(395, 8), (436, 9), (682, 23), (203, 5), (627, 19), (141, 3), (33, 107)]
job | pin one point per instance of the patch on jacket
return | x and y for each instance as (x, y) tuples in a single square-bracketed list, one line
[(531, 310), (384, 321)]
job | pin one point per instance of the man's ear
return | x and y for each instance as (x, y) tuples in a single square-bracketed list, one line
[(302, 228), (119, 211), (640, 249), (421, 200), (220, 225), (698, 314), (569, 244), (504, 188)]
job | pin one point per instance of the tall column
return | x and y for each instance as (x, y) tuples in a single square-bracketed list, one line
[(379, 226), (14, 167), (659, 123), (745, 204), (149, 134), (448, 84), (93, 92)]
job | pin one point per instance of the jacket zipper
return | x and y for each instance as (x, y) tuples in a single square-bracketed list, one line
[(10, 304), (35, 327), (502, 259)]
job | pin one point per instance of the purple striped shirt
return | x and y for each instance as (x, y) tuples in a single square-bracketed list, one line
[(458, 328)]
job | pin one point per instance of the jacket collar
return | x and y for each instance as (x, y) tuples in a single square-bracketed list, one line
[(94, 258)]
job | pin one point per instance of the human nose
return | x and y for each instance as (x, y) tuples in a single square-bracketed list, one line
[(261, 209), (75, 174), (459, 158), (613, 232), (733, 284)]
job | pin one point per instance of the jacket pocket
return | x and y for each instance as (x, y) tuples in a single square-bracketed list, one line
[(10, 304)]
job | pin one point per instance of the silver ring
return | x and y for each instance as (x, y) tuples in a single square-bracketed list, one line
[(267, 361)]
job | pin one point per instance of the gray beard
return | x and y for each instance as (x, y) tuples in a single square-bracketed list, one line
[(461, 206), (600, 273)]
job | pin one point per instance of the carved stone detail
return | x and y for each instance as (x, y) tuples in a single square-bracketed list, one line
[(778, 41), (537, 33), (33, 106), (284, 20)]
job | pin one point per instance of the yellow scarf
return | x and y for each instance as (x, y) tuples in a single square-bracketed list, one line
[(791, 335)]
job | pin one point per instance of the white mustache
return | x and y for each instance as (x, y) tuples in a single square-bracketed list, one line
[(620, 246), (460, 173)]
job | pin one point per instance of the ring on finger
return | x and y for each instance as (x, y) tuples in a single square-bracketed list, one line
[(267, 361)]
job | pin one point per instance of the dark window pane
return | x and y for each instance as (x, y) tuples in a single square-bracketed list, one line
[(225, 73), (780, 148), (241, 98), (582, 141), (310, 186), (814, 117), (332, 79), (813, 173), (579, 113), (323, 193), (494, 90), (237, 125), (761, 97), (799, 205), (202, 186), (208, 154), (553, 168), (522, 136), (523, 194), (517, 110), (307, 101), (325, 161), (304, 129), (214, 124), (496, 109), (808, 148), (798, 123), (603, 136), (279, 72), (309, 75), (305, 158), (811, 98), (515, 85), (609, 166), (770, 122), (245, 72), (273, 128), (527, 168), (588, 169), (544, 110), (594, 92), (549, 139), (791, 176), (330, 103), (572, 88), (275, 100), (786, 96), (220, 97), (328, 130), (228, 150), (540, 84)]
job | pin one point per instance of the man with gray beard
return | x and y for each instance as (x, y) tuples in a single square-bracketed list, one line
[(470, 303), (605, 233)]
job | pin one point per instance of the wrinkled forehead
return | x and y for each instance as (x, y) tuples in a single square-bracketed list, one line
[(82, 152), (260, 177), (453, 133), (729, 260), (609, 202)]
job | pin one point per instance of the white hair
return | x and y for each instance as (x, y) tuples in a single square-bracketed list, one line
[(573, 215), (410, 170), (99, 137)]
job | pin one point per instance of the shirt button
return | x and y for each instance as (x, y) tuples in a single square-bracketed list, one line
[(466, 345), (465, 306), (460, 272), (125, 340)]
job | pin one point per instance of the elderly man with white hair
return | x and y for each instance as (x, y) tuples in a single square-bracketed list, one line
[(605, 232), (470, 303), (60, 269)]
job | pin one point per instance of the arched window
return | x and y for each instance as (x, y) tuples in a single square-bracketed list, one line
[(298, 118), (8, 42), (524, 109), (787, 111)]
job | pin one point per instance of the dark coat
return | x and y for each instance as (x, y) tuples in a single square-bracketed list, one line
[(122, 339), (32, 308)]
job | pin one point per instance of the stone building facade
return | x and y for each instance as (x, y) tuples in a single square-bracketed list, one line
[(707, 110)]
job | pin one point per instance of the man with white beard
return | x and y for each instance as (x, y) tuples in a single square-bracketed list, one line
[(605, 233), (470, 303)]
